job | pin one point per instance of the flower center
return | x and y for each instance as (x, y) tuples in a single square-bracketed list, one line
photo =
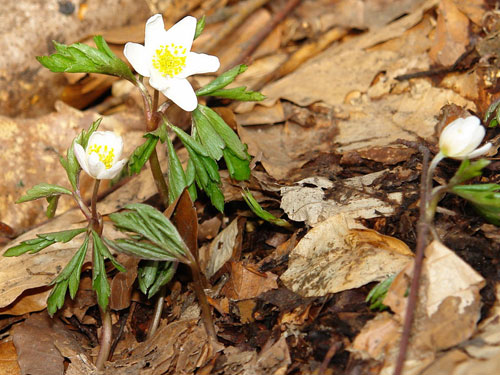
[(170, 60), (106, 156)]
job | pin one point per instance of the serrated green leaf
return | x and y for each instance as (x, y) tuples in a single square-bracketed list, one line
[(100, 282), (74, 278), (81, 58), (146, 274), (189, 141), (164, 274), (101, 247), (239, 93), (215, 194), (221, 81), (56, 297), (141, 249), (73, 263), (378, 293), (207, 135), (201, 173), (43, 190), (226, 133), (484, 197), (141, 155), (468, 170), (33, 246), (263, 214), (176, 177), (238, 169), (161, 132), (212, 168), (52, 206), (62, 236), (200, 25)]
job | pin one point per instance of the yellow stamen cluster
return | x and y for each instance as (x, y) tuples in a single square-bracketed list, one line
[(106, 157), (170, 60)]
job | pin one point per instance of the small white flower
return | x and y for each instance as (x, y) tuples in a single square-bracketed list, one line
[(100, 157), (460, 139), (166, 59)]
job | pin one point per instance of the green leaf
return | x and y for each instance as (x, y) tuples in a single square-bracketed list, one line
[(99, 280), (378, 293), (226, 133), (164, 274), (101, 247), (44, 240), (189, 141), (492, 108), (146, 274), (207, 135), (201, 173), (215, 194), (263, 214), (468, 170), (222, 81), (56, 297), (33, 246), (52, 207), (43, 190), (141, 155), (484, 197), (238, 169), (239, 93), (200, 25), (72, 266), (62, 236), (176, 177), (74, 278), (141, 249), (81, 58)]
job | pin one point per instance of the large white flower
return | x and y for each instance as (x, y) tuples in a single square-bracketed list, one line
[(460, 139), (100, 157), (166, 59)]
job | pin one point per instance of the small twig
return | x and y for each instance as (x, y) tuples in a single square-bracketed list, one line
[(328, 357), (123, 323), (257, 39), (436, 71), (422, 230), (244, 11)]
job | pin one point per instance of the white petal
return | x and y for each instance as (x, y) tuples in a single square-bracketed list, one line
[(461, 137), (108, 174), (138, 56), (198, 63), (480, 151), (96, 167), (155, 34), (182, 94), (158, 81), (182, 33), (81, 156)]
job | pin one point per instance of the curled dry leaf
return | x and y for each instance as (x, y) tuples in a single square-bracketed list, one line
[(446, 315), (314, 199), (339, 254)]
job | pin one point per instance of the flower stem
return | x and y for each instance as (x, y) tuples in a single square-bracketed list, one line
[(161, 184), (206, 314), (160, 300), (105, 340)]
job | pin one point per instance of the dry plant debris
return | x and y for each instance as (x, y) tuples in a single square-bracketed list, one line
[(353, 88)]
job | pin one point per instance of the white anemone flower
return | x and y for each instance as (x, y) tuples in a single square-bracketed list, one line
[(461, 138), (100, 158), (167, 60)]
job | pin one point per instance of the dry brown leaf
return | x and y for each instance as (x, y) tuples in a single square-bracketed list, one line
[(246, 283), (452, 34), (48, 332), (315, 199), (8, 359), (29, 301), (339, 254), (122, 284), (283, 148), (26, 88), (221, 249), (446, 315)]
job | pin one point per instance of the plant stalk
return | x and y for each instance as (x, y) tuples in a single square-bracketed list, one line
[(105, 339), (160, 300)]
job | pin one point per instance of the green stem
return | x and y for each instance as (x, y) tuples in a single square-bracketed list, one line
[(105, 340), (160, 300), (161, 184), (95, 220)]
